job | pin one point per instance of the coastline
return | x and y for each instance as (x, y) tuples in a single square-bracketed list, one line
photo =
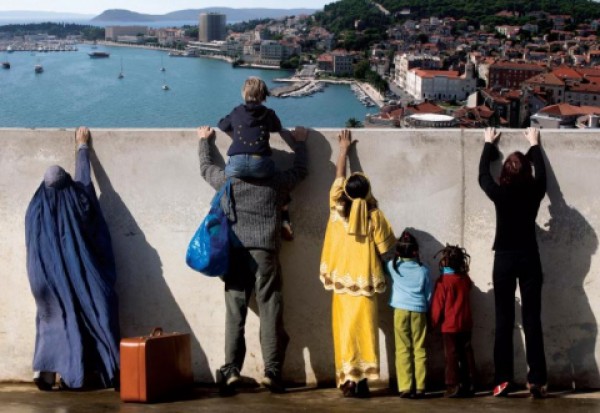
[(373, 94), (171, 49), (136, 46)]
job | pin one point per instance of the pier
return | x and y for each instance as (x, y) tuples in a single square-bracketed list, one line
[(53, 46), (303, 86), (298, 89)]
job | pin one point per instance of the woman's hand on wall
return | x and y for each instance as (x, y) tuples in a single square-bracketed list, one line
[(532, 135), (490, 135)]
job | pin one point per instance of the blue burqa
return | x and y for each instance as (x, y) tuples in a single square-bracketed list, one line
[(71, 269)]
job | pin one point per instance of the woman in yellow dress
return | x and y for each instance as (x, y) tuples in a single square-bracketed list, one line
[(357, 238)]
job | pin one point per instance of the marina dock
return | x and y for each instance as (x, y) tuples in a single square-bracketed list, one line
[(300, 87)]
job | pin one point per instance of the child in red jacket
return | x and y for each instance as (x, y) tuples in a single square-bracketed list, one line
[(451, 308)]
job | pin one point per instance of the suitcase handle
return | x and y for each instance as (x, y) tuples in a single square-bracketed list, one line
[(157, 331)]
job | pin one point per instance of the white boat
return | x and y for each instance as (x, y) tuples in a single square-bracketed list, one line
[(165, 87), (121, 75)]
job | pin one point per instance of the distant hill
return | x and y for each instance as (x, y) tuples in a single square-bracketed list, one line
[(233, 15), (41, 15)]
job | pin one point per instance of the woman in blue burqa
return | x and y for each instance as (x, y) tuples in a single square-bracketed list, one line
[(71, 270)]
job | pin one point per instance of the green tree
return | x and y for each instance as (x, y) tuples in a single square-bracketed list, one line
[(423, 38), (292, 63), (361, 69), (354, 123), (191, 31)]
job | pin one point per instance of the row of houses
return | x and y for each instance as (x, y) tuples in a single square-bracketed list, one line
[(499, 76)]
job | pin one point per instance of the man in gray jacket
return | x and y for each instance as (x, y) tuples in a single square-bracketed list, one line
[(254, 264)]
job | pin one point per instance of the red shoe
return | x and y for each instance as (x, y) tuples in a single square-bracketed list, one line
[(501, 389)]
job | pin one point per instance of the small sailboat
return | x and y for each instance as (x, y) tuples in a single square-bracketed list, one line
[(162, 66), (165, 86), (6, 63), (38, 68), (121, 75)]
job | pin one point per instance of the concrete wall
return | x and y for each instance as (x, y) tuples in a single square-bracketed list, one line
[(153, 198)]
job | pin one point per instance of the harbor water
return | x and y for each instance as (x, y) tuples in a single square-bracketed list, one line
[(74, 89)]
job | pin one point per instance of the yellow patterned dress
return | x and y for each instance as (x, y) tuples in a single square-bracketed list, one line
[(351, 267)]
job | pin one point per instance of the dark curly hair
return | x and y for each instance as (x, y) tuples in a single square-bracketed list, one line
[(454, 257)]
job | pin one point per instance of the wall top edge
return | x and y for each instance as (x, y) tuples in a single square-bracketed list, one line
[(360, 130)]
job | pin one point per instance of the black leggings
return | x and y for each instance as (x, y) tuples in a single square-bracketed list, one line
[(526, 268)]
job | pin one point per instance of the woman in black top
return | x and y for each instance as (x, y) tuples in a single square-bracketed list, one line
[(517, 199)]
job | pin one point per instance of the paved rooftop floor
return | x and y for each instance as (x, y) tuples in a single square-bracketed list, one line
[(25, 398)]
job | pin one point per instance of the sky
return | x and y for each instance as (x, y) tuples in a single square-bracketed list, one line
[(151, 6)]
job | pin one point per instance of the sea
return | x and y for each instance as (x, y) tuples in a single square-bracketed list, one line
[(75, 89)]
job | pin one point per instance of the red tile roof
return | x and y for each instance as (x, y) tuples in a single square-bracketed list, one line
[(565, 72), (565, 109), (433, 73), (548, 79), (517, 66), (425, 107), (585, 88)]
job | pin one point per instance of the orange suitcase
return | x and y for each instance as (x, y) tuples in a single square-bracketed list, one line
[(156, 367)]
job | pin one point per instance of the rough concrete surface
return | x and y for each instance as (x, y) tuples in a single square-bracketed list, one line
[(27, 399)]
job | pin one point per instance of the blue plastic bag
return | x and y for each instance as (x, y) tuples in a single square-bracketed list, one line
[(208, 251)]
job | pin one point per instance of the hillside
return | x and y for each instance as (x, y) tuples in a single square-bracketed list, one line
[(342, 15), (474, 9), (233, 15), (41, 15)]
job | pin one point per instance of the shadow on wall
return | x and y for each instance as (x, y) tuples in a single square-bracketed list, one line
[(307, 306), (482, 307), (567, 245), (144, 296)]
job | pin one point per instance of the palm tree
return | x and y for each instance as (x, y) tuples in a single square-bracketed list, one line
[(353, 123)]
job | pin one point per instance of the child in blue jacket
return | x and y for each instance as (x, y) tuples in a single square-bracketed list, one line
[(411, 296)]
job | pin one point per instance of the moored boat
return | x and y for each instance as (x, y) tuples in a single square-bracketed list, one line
[(97, 55)]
